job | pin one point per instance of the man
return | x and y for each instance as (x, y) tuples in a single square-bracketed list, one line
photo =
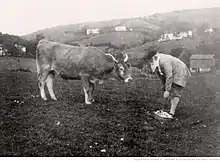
[(173, 74)]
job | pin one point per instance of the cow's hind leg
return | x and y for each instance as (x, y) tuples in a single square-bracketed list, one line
[(49, 82), (90, 93), (41, 83)]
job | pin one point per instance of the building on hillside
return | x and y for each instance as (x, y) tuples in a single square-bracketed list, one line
[(2, 50), (183, 34), (169, 36), (166, 36), (210, 30), (120, 28), (175, 36), (92, 31), (202, 63), (190, 33), (22, 49)]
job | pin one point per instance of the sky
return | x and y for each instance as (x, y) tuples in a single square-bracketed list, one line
[(20, 17)]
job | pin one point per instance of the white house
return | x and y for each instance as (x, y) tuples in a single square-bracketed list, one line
[(190, 33), (172, 36), (21, 48), (1, 51), (92, 31), (183, 34), (169, 36), (166, 36), (210, 30), (120, 28)]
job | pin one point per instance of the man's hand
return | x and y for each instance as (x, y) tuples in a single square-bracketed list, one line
[(166, 94)]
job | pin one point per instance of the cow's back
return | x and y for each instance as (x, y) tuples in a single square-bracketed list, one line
[(58, 51), (59, 57), (73, 60)]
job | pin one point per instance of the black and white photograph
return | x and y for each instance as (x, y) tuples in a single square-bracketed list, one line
[(127, 79)]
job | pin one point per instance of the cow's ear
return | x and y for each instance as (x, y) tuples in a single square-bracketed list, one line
[(129, 65)]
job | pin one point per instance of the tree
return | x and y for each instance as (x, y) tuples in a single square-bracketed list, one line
[(11, 48), (39, 37), (1, 38), (176, 52), (32, 45), (31, 48)]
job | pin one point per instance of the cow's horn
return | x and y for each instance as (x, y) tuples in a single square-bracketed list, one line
[(126, 57), (112, 57)]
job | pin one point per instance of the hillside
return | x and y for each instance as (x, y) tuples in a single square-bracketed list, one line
[(187, 19), (77, 32), (74, 32), (150, 25), (145, 31), (206, 44)]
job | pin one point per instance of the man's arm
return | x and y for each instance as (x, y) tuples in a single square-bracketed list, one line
[(169, 75), (162, 79)]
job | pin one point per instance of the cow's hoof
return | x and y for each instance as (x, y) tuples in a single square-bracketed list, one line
[(92, 100), (54, 98), (101, 81), (44, 98), (88, 103)]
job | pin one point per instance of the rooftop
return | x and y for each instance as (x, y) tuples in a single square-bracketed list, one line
[(202, 57)]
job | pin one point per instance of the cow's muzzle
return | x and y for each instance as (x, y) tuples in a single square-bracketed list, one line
[(127, 80)]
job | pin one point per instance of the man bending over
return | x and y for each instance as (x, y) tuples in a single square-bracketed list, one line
[(173, 74)]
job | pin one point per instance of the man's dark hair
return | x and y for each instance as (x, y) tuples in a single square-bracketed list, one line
[(151, 51)]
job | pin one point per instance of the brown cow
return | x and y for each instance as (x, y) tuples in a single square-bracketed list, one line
[(89, 64)]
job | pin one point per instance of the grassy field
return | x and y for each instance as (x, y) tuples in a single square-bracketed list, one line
[(15, 63), (118, 124), (130, 39)]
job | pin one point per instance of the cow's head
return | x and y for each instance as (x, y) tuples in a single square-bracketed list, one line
[(121, 68)]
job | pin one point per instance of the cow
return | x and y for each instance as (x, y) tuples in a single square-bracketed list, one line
[(88, 64)]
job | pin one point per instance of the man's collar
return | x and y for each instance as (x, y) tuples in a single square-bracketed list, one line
[(158, 63)]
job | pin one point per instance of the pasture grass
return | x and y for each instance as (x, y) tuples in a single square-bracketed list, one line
[(119, 122)]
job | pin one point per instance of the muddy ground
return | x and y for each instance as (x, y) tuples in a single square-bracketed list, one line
[(118, 124)]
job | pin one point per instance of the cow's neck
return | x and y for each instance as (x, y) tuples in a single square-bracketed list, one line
[(107, 73)]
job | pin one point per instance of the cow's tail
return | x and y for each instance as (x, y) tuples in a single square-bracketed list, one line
[(38, 65)]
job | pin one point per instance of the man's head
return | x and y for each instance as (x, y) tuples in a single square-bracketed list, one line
[(152, 58)]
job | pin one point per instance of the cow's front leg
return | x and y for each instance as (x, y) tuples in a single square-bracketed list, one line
[(87, 101), (87, 88)]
